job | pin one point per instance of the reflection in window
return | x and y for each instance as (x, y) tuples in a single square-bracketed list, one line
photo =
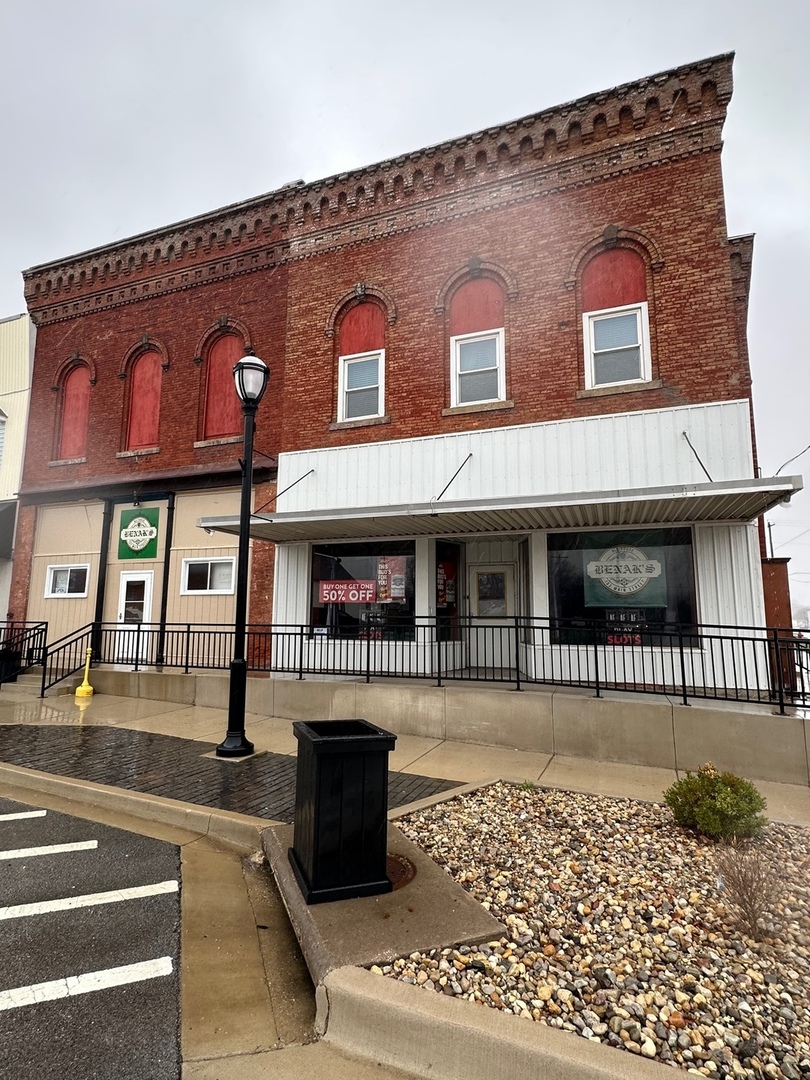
[(208, 575), (625, 582), (66, 581)]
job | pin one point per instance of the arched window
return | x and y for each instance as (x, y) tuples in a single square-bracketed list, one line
[(144, 401), (361, 371), (222, 412), (74, 413), (477, 366), (615, 320)]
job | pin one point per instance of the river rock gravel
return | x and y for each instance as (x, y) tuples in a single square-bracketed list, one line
[(619, 929)]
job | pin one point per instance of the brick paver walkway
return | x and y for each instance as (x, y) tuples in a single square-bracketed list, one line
[(263, 786)]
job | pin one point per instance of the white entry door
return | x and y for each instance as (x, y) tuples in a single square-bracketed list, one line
[(492, 632), (134, 608)]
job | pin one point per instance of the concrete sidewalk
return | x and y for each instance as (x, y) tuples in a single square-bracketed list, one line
[(413, 756), (248, 1007)]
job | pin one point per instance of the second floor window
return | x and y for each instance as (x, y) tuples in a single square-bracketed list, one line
[(615, 320), (477, 361), (361, 372)]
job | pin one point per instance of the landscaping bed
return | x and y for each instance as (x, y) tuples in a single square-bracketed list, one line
[(620, 929)]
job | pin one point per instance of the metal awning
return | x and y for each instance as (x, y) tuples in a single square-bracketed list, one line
[(726, 501)]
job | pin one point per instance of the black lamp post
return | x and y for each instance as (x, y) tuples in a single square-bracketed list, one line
[(250, 375)]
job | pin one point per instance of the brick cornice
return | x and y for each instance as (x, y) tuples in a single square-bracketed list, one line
[(659, 118)]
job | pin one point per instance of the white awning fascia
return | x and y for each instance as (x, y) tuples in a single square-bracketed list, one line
[(725, 501)]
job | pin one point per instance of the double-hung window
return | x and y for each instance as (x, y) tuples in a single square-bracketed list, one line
[(477, 368), (617, 346), (66, 580), (207, 576), (361, 386)]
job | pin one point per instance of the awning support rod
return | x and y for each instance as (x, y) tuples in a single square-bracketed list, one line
[(452, 478), (286, 489)]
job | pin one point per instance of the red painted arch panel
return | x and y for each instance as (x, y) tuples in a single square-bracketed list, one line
[(144, 401)]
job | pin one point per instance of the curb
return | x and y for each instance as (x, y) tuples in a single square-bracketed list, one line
[(430, 1034), (224, 825)]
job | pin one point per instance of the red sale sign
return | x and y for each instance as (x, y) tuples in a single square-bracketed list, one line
[(348, 592)]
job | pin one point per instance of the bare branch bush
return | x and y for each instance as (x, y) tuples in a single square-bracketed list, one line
[(751, 883)]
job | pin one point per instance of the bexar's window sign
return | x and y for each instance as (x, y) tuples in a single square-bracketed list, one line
[(625, 575), (138, 533), (593, 577), (348, 592)]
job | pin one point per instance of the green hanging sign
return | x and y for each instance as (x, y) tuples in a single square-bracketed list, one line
[(138, 533)]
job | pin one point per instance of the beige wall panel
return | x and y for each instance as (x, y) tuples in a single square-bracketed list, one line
[(63, 613), (201, 608), (68, 530), (190, 508), (17, 337)]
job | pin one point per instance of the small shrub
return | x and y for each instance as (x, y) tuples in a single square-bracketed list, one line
[(719, 805), (527, 785), (750, 883)]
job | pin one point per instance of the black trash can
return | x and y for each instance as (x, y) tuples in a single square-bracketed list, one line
[(341, 808), (10, 662)]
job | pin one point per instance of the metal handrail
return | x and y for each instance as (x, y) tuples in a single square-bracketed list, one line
[(712, 661)]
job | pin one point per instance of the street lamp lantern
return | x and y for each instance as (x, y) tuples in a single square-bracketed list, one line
[(250, 376)]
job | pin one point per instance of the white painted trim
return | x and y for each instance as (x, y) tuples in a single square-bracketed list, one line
[(588, 319), (184, 589), (50, 595), (460, 339), (85, 984), (343, 364)]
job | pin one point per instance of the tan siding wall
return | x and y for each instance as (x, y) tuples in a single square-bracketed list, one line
[(191, 542), (65, 535)]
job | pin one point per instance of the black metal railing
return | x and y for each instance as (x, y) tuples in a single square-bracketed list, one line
[(22, 645), (730, 663)]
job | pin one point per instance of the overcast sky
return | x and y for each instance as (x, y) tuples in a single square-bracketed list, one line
[(119, 116)]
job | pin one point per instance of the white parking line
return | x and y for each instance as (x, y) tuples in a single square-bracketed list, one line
[(27, 814), (84, 984), (67, 903), (51, 849)]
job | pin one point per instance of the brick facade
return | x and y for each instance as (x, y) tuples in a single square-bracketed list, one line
[(526, 203)]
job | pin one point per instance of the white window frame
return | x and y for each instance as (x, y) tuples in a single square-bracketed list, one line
[(49, 572), (184, 589), (455, 353), (645, 360), (344, 364)]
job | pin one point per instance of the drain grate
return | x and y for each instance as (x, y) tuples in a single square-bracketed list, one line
[(399, 869)]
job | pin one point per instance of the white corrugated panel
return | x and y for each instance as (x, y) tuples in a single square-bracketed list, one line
[(616, 451)]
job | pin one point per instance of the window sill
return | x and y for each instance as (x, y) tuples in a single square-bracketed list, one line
[(218, 442), (484, 406), (138, 453), (68, 461), (620, 388), (371, 421)]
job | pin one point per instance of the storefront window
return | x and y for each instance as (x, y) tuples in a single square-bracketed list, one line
[(364, 590), (620, 584)]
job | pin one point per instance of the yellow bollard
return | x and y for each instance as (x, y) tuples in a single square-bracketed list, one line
[(85, 690)]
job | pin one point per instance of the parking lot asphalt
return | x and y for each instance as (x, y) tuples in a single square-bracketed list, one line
[(90, 922)]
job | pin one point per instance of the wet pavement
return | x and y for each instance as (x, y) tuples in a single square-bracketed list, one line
[(262, 785)]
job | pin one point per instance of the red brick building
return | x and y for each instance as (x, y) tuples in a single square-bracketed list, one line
[(505, 369)]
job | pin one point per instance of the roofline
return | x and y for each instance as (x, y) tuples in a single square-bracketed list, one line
[(300, 187)]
